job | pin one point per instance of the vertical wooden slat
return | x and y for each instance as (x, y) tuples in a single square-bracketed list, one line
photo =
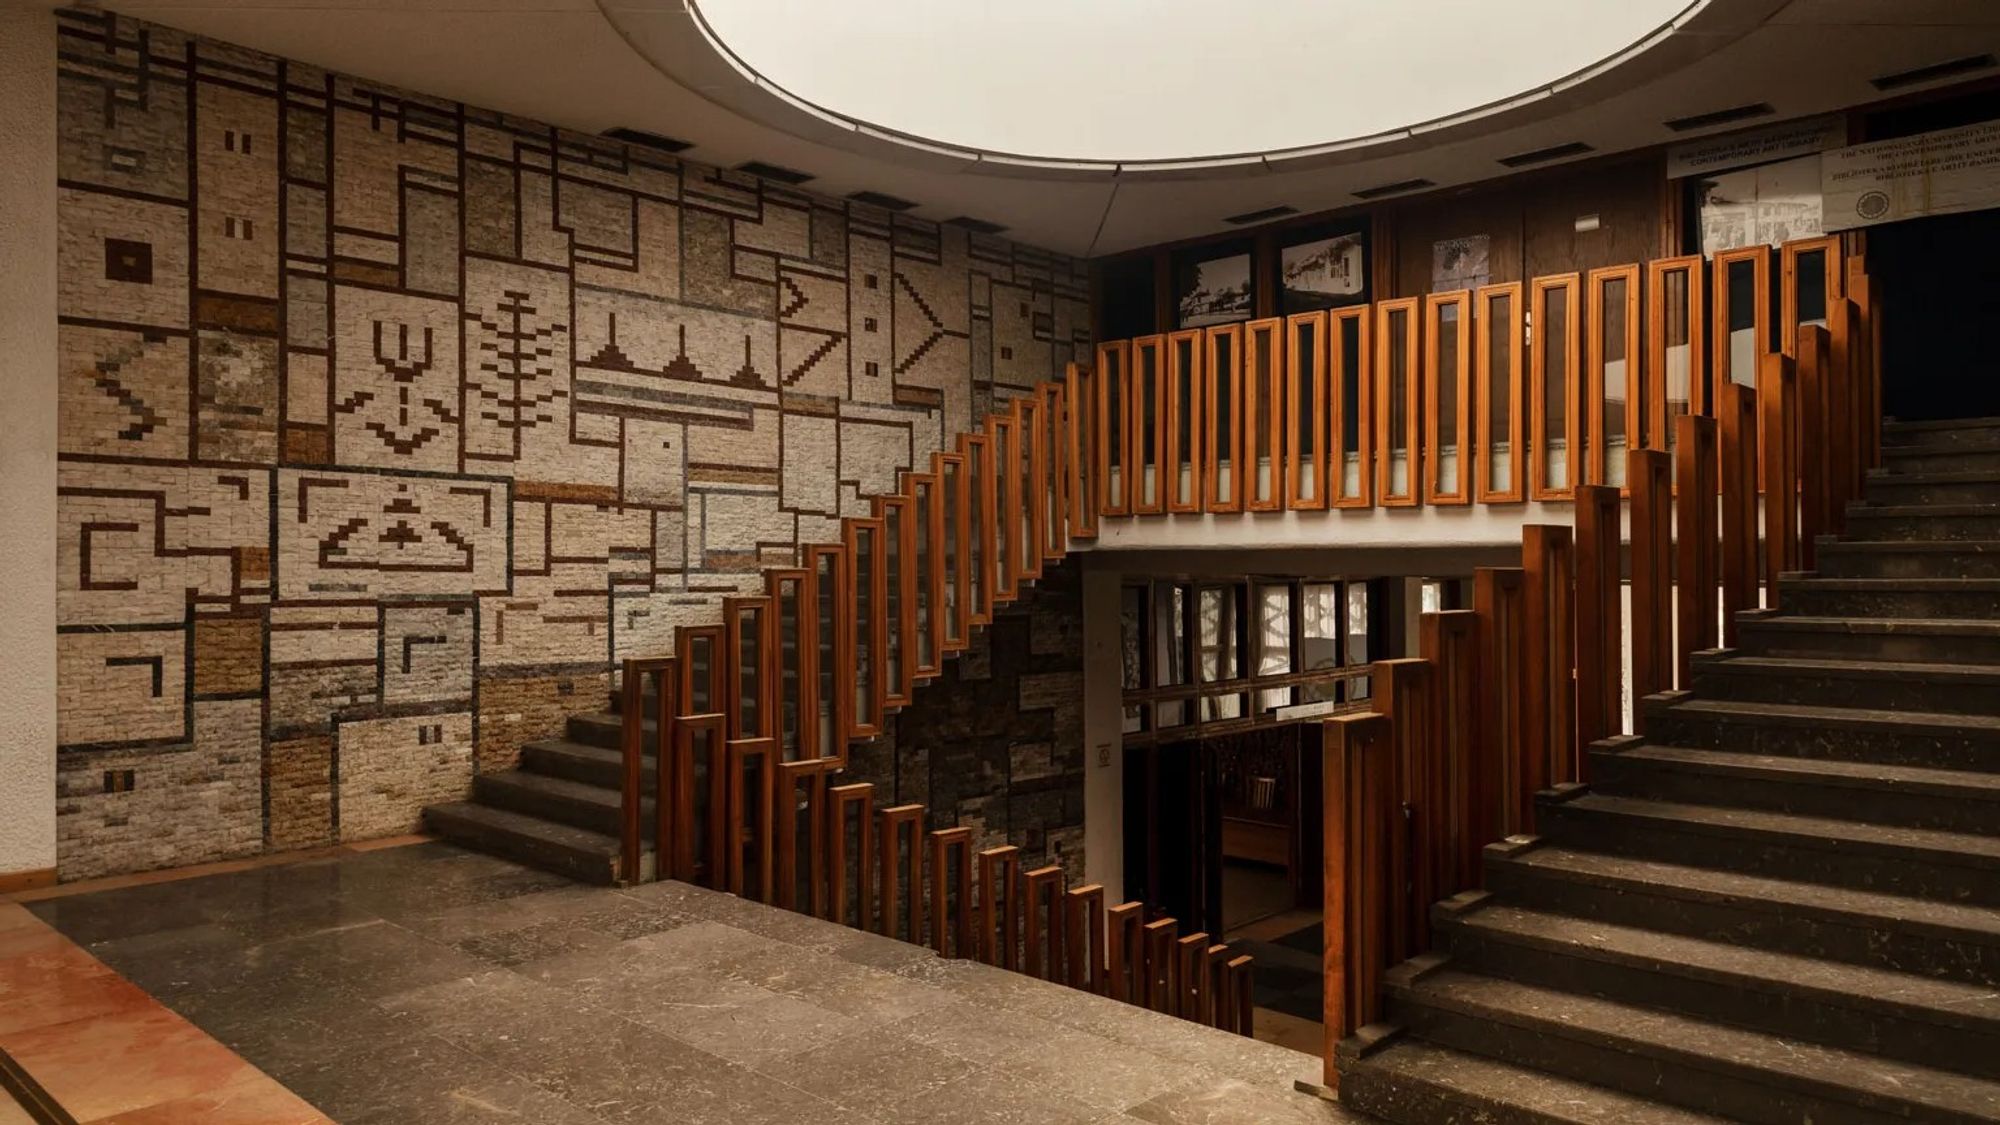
[(978, 454), (1811, 440), (748, 814), (1663, 334), (790, 591), (1357, 799), (1083, 927), (1449, 643), (1554, 387), (1499, 403), (1609, 290), (632, 764), (1147, 407), (1082, 461), (1187, 394), (1651, 476), (1000, 906), (1502, 804), (1262, 450), (1162, 975), (1847, 408), (1777, 396), (1055, 487), (1548, 607), (1112, 449), (1399, 401), (1242, 990), (861, 796), (1306, 410), (1737, 426), (1001, 436), (897, 894), (1599, 635), (1222, 417), (1190, 968), (951, 917), (1448, 455), (1034, 462), (785, 837), (1402, 692), (1125, 960), (1351, 411), (1834, 279), (1696, 456), (948, 535), (1041, 904), (833, 630), (863, 597), (701, 736)]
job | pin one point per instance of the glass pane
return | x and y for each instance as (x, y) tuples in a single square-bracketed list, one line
[(1146, 361), (750, 672), (1258, 408), (1617, 371), (893, 525), (1399, 404), (1676, 331), (1555, 386), (1222, 427), (1357, 636), (1170, 657), (1810, 279), (1024, 531), (1114, 417), (1351, 359), (926, 561), (948, 545), (975, 546), (1743, 342), (701, 654), (1219, 658), (789, 666), (1003, 494), (865, 561), (1319, 637), (1086, 466), (1449, 359), (1305, 418), (1274, 643), (1185, 389), (826, 578), (1500, 329), (1131, 612)]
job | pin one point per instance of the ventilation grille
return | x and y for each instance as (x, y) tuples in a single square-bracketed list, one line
[(1720, 117), (1970, 64), (648, 140), (774, 172), (881, 199), (1397, 188), (976, 226), (1265, 215), (1544, 155)]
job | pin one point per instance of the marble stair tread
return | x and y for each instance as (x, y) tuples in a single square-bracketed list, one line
[(1861, 718), (1971, 785), (567, 849), (554, 788), (1892, 426), (1496, 1091), (1958, 1005), (1827, 543), (1819, 1070), (1972, 676), (1921, 626), (1866, 509), (1811, 832), (1935, 476), (1762, 893), (579, 761), (1991, 585)]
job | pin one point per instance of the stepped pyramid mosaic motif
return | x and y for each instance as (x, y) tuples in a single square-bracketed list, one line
[(389, 423)]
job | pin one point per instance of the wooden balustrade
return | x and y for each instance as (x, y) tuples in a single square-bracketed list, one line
[(1616, 388)]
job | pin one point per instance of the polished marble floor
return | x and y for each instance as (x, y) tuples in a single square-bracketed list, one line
[(430, 984)]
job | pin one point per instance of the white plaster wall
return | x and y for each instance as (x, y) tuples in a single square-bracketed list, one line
[(27, 438)]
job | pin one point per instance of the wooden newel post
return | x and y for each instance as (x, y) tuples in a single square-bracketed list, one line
[(632, 710), (1778, 397), (1738, 426), (1548, 618), (1450, 643), (1695, 460), (1502, 804), (1651, 477), (1403, 696), (1600, 648), (1358, 798), (1808, 420)]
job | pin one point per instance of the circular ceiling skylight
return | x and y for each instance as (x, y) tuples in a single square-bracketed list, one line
[(1159, 80)]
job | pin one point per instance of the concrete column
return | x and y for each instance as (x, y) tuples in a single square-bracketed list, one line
[(1103, 722), (27, 445)]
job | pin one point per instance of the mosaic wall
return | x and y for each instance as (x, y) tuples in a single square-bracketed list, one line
[(389, 423)]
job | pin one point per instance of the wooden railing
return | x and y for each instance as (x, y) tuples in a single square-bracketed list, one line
[(751, 719), (1506, 699)]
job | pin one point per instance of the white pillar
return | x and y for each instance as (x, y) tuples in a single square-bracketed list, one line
[(1103, 722), (27, 443)]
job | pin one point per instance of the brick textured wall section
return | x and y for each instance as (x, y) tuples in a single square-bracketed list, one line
[(996, 743), (384, 416)]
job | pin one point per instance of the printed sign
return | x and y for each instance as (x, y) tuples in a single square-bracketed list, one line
[(1928, 174), (1757, 146)]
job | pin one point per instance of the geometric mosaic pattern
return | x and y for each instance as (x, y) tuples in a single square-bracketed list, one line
[(388, 423)]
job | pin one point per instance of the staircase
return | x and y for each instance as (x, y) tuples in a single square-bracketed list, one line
[(1782, 902)]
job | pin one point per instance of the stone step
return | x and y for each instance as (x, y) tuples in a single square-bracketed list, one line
[(1916, 862), (600, 728), (1918, 936), (1957, 598), (1932, 489), (1964, 558), (575, 803), (601, 766), (1947, 1024), (1882, 522), (1878, 793), (1856, 734), (1969, 689), (1924, 459), (1406, 1080), (1944, 433), (589, 857), (1698, 1064), (1897, 639)]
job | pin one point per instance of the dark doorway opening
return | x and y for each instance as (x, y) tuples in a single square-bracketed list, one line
[(1940, 285)]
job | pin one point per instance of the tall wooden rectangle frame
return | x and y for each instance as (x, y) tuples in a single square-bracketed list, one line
[(1484, 385), (1412, 436), (1461, 387), (1540, 348)]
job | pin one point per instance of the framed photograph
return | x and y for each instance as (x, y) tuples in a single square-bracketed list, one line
[(1213, 291), (1461, 263), (1323, 272)]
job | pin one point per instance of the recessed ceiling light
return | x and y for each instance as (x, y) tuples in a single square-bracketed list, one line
[(775, 172), (881, 199), (1720, 117), (648, 140), (1970, 64), (1265, 215), (1397, 188), (1544, 155)]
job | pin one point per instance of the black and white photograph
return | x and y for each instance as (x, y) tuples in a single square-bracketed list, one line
[(1322, 273), (1214, 291)]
